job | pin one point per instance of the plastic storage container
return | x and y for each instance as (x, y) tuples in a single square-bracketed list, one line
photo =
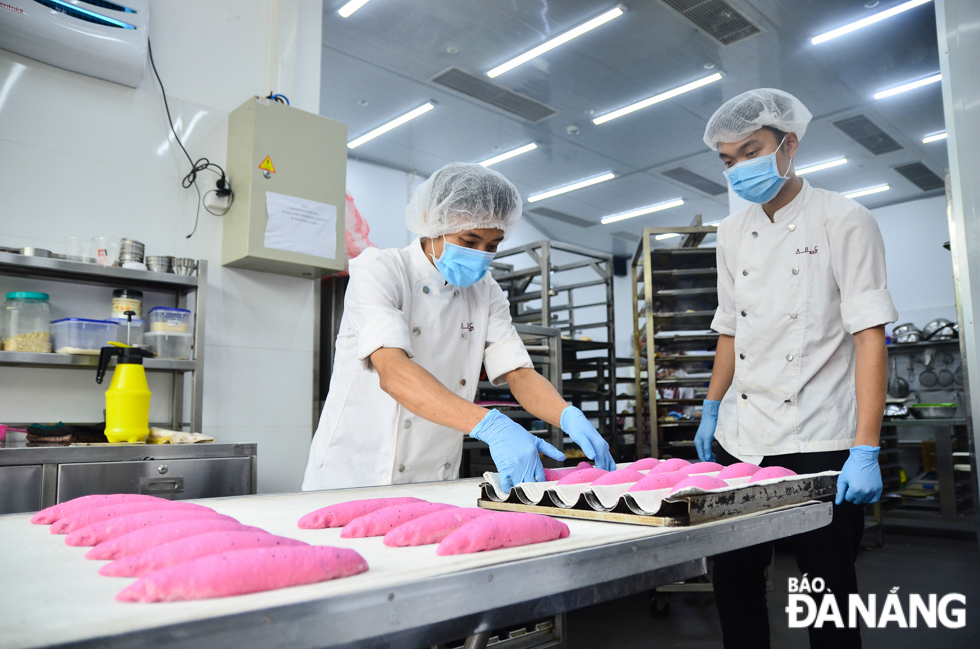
[(169, 319), (26, 322), (172, 345), (81, 336), (135, 334)]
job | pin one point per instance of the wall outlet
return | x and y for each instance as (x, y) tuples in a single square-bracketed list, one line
[(215, 202)]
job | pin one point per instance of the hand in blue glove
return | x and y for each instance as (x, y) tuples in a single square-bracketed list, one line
[(513, 449), (859, 481), (706, 431), (580, 429)]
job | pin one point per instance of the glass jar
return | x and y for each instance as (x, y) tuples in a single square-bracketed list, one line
[(26, 322), (123, 300)]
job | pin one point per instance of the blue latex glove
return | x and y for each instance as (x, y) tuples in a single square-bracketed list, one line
[(859, 481), (583, 433), (706, 431), (513, 449)]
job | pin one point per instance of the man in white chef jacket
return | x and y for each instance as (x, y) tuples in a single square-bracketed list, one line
[(418, 325), (800, 372)]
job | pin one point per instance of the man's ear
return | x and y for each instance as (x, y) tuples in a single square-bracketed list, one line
[(791, 145)]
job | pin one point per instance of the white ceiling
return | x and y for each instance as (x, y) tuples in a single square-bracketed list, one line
[(387, 51)]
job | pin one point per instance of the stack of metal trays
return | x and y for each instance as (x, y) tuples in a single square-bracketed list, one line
[(131, 251)]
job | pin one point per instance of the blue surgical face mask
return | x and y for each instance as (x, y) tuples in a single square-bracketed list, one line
[(462, 266), (757, 180)]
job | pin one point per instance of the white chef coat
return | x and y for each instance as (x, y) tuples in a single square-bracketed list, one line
[(398, 299), (793, 292)]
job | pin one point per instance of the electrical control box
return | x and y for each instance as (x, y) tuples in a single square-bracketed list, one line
[(288, 172)]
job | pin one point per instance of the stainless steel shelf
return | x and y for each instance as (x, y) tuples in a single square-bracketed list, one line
[(28, 359), (75, 271)]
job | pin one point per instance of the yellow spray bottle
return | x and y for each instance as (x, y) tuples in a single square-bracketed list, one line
[(127, 401)]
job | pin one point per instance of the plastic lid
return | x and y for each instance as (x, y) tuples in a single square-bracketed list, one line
[(170, 309), (103, 322), (27, 295)]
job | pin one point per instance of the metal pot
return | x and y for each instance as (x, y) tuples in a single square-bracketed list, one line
[(940, 329), (933, 410), (906, 333)]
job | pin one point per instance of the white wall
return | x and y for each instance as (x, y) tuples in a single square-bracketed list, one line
[(81, 156), (381, 194)]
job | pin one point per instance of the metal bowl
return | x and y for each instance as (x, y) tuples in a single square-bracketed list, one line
[(940, 329), (906, 333), (933, 410), (185, 266), (160, 264)]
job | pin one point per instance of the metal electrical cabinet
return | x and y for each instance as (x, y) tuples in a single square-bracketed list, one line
[(275, 148)]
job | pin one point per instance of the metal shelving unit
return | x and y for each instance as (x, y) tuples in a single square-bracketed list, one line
[(189, 292), (549, 293), (674, 299)]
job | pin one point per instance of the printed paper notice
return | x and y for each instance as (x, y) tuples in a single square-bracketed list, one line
[(301, 225)]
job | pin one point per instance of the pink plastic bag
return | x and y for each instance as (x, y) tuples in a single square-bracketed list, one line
[(356, 231)]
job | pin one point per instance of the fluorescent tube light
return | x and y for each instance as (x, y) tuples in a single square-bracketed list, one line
[(547, 46), (935, 137), (395, 123), (649, 209), (669, 235), (821, 166), (656, 99), (908, 86), (864, 192), (351, 7), (510, 154), (534, 198), (96, 17), (870, 20)]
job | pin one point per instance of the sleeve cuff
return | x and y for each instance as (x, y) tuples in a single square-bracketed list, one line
[(868, 310), (505, 356), (388, 331), (723, 323)]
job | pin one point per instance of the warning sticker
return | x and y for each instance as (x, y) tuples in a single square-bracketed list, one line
[(267, 165)]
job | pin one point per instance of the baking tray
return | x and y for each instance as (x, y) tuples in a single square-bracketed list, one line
[(657, 509)]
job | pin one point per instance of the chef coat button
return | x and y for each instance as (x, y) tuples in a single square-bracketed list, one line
[(789, 357), (462, 381), (796, 271), (755, 234), (792, 226), (416, 331), (792, 315), (456, 292), (745, 396), (425, 289), (742, 356), (464, 334), (408, 424), (448, 466), (744, 314), (401, 468), (744, 273)]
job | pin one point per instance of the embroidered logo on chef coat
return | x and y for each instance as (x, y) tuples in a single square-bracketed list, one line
[(807, 251), (466, 326)]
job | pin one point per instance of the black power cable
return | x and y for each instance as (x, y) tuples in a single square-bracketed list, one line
[(202, 164)]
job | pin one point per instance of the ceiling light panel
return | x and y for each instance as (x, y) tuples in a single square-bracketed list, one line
[(509, 154), (935, 137), (547, 46), (588, 182), (870, 20), (656, 99), (908, 86), (821, 166), (395, 123), (667, 235), (649, 209), (865, 192), (351, 7)]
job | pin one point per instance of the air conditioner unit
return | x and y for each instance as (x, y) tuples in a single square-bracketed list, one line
[(95, 37)]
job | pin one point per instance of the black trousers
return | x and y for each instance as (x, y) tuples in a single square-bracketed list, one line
[(828, 552)]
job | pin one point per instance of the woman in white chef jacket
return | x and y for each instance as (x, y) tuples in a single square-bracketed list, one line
[(418, 325)]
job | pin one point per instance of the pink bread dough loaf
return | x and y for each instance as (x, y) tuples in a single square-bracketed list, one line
[(645, 464), (432, 528), (191, 548), (700, 467), (619, 476), (700, 481), (343, 513), (381, 522), (151, 537), (89, 516), (771, 472), (550, 475), (115, 527), (57, 512), (245, 571), (502, 530), (738, 470), (669, 466), (583, 476), (656, 481)]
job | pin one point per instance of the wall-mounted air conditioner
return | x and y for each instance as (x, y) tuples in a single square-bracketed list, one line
[(95, 37)]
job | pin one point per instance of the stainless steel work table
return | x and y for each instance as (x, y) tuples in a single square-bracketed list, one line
[(409, 598)]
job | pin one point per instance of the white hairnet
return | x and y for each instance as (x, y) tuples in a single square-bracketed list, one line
[(463, 196), (750, 111)]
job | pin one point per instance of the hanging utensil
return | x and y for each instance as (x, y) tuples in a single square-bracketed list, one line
[(911, 370), (897, 386), (928, 378), (958, 375), (946, 377)]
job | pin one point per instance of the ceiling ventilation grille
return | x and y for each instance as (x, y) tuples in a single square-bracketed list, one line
[(865, 133), (480, 89), (717, 18), (561, 216), (691, 179), (921, 176)]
